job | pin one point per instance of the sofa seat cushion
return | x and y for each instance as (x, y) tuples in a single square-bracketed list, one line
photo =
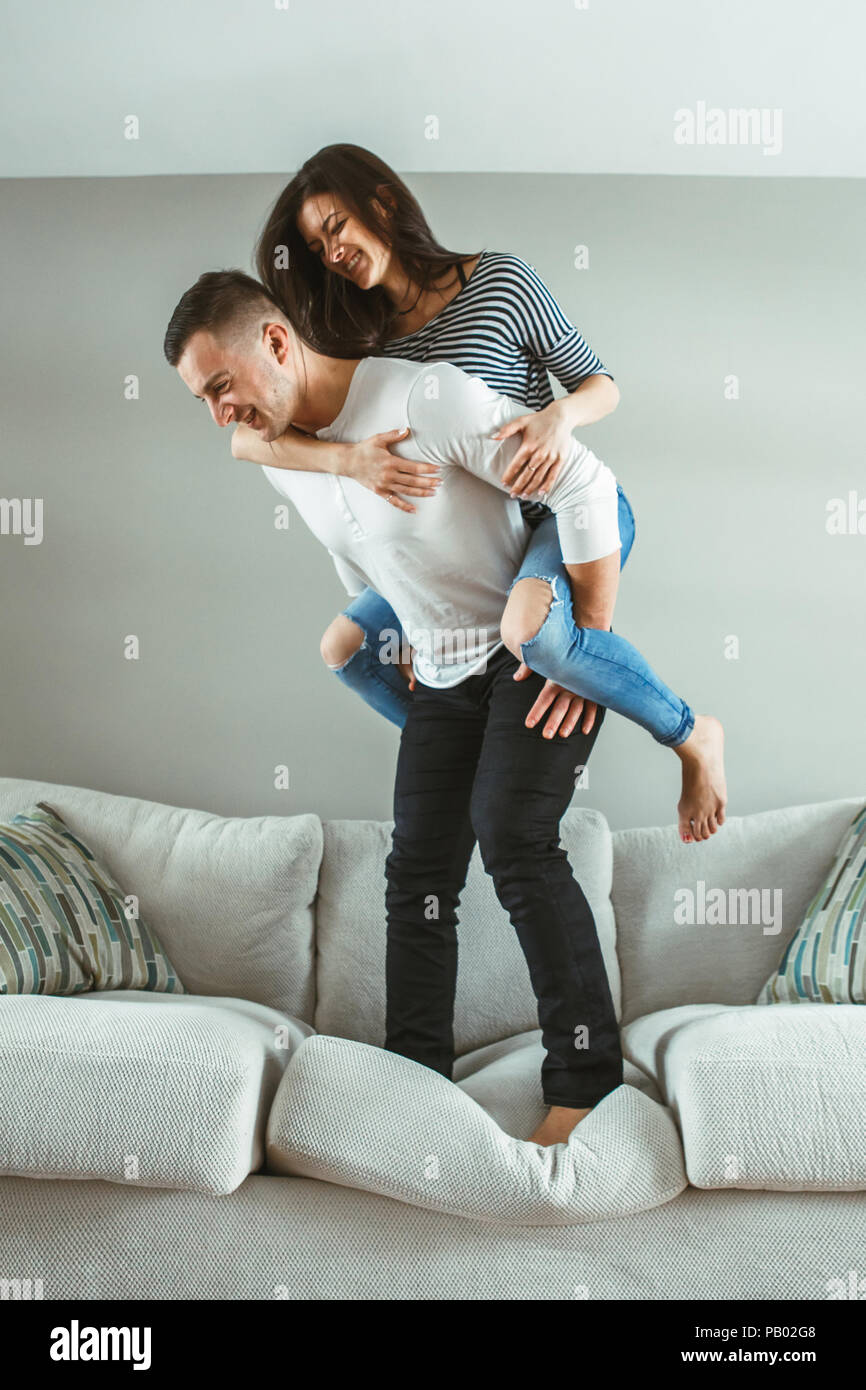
[(765, 1097), (504, 1078), (138, 1088), (360, 1116), (494, 999)]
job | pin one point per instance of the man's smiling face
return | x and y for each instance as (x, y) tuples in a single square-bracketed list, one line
[(243, 383)]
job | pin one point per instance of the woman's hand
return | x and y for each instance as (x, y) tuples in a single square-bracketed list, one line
[(547, 443), (371, 463)]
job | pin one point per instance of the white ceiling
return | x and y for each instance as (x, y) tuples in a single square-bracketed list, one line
[(582, 86)]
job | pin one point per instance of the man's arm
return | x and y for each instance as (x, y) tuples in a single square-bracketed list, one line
[(455, 419), (456, 424)]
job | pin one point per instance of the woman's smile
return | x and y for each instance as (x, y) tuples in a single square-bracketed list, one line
[(352, 264)]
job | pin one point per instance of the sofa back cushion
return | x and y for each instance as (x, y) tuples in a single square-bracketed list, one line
[(494, 998), (825, 962), (230, 898), (706, 923), (65, 925)]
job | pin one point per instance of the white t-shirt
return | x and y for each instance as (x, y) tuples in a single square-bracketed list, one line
[(447, 568)]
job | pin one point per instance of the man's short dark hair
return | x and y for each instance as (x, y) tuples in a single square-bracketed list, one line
[(219, 300)]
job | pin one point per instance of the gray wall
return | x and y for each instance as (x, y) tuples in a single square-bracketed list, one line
[(554, 86), (151, 528)]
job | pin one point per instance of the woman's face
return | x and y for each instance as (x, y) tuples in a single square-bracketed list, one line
[(344, 244)]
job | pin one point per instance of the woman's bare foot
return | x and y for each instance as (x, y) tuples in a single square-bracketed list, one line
[(556, 1126), (701, 807)]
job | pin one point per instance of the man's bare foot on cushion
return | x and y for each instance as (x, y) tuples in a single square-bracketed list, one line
[(557, 1125), (701, 807)]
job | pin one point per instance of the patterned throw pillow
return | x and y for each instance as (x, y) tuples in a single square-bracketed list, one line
[(64, 925), (825, 962)]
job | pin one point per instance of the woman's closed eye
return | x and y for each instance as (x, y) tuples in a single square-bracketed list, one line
[(321, 251)]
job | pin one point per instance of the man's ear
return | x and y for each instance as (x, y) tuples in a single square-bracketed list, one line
[(275, 337)]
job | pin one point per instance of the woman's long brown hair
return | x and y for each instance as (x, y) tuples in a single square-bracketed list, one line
[(333, 315)]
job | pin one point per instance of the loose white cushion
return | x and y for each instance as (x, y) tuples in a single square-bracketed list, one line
[(667, 959), (504, 1078), (139, 1088), (769, 1097), (360, 1116), (230, 898), (495, 998)]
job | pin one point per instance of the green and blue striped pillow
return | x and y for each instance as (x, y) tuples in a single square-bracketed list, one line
[(65, 927), (825, 962)]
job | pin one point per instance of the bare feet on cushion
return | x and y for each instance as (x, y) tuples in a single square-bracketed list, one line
[(557, 1125), (701, 807)]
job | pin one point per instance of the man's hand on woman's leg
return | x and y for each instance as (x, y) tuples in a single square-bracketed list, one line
[(565, 708)]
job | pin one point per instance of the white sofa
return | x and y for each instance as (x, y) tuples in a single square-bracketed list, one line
[(253, 1139)]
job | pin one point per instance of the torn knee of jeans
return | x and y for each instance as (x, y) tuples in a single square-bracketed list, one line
[(555, 601), (554, 582), (341, 641), (349, 659)]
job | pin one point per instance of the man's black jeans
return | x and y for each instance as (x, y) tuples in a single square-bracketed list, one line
[(469, 769)]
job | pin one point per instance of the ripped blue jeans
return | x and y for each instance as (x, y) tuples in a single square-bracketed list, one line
[(600, 666)]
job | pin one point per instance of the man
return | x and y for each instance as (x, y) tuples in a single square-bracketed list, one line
[(469, 768)]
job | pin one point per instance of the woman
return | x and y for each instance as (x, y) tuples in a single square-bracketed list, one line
[(349, 255)]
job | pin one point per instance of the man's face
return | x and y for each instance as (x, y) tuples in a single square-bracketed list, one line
[(247, 384)]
